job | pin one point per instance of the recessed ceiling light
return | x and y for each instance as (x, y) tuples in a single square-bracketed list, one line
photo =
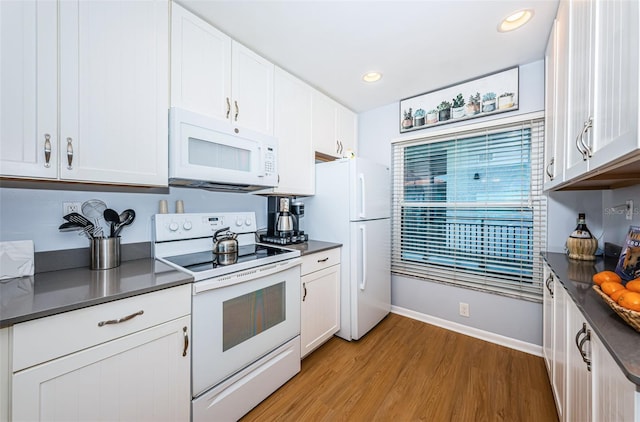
[(515, 20), (372, 77)]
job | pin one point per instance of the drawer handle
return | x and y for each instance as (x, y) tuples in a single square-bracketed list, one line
[(186, 341), (323, 260), (123, 319)]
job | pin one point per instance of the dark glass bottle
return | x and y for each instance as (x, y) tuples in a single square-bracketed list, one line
[(581, 231)]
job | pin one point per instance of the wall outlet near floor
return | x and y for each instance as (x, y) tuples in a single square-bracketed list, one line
[(69, 207), (464, 309)]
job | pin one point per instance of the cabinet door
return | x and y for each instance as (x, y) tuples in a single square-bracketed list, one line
[(324, 125), (114, 91), (296, 167), (614, 395), (346, 129), (320, 309), (548, 321), (28, 89), (578, 393), (553, 164), (559, 347), (252, 90), (580, 83), (142, 376), (615, 118), (200, 65)]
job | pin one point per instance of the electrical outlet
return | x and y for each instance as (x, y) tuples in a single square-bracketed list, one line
[(69, 207), (464, 309), (629, 214)]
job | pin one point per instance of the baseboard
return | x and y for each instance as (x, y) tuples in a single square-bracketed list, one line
[(532, 349)]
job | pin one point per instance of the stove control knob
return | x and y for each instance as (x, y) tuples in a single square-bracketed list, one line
[(187, 225), (248, 222), (173, 226), (239, 222)]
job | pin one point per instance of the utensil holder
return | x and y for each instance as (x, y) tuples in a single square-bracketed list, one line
[(105, 253)]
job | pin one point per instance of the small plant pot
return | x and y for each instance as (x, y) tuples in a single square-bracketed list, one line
[(444, 114), (505, 102), (457, 112), (419, 121), (488, 106), (407, 124), (472, 109), (432, 118)]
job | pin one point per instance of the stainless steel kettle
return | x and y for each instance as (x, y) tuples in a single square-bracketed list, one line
[(225, 246)]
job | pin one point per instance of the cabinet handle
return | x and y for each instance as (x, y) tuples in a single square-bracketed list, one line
[(337, 147), (47, 150), (587, 125), (583, 330), (69, 153), (228, 107), (304, 289), (583, 353), (324, 259), (548, 284), (186, 341), (551, 162), (237, 110), (123, 319), (584, 154)]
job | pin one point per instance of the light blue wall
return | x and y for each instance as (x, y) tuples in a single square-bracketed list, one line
[(518, 319), (35, 214)]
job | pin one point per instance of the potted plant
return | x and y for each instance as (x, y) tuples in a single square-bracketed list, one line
[(505, 100), (407, 122), (444, 111), (489, 102), (419, 117), (432, 116), (473, 104), (457, 109)]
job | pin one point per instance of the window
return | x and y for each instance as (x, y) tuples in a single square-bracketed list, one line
[(468, 208)]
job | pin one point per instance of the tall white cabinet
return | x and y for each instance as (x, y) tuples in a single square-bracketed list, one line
[(103, 117)]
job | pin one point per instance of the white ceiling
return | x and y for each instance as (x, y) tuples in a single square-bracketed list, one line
[(419, 46)]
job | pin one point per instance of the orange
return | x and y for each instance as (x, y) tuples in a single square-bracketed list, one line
[(615, 295), (610, 287), (604, 276), (630, 300), (634, 285)]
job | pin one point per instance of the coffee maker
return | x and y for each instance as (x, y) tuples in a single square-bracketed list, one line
[(283, 221)]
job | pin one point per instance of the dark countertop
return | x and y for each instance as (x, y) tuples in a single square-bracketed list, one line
[(48, 293), (313, 246), (622, 341)]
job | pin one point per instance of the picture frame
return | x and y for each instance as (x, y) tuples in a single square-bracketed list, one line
[(479, 97)]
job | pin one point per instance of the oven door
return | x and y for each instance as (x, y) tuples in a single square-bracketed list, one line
[(237, 324)]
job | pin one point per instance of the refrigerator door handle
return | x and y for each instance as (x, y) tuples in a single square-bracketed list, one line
[(363, 231), (362, 195)]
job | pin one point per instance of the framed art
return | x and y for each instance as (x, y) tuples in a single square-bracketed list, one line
[(479, 97)]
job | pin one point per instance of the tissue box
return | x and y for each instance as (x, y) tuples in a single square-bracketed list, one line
[(16, 259)]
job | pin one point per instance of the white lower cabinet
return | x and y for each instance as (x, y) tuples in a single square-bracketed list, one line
[(578, 398), (138, 376), (559, 352), (320, 309)]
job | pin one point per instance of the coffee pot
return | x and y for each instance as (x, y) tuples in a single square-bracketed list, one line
[(284, 221)]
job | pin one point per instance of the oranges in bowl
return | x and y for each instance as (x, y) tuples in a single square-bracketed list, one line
[(606, 276)]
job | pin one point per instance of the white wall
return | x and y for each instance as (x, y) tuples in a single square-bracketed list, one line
[(518, 319), (35, 214), (615, 225)]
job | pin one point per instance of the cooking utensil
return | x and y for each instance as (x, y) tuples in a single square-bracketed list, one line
[(94, 209), (112, 217), (225, 246), (126, 217)]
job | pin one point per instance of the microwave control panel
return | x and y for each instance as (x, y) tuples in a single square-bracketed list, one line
[(270, 161)]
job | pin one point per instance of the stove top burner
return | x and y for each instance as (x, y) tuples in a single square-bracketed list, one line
[(207, 260)]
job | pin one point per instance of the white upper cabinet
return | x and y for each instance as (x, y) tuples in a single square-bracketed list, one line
[(28, 89), (334, 127), (553, 145), (104, 115), (113, 91), (213, 75)]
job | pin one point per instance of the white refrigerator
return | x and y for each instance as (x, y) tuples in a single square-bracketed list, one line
[(352, 206)]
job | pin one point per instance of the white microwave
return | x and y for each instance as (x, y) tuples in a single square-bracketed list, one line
[(209, 153)]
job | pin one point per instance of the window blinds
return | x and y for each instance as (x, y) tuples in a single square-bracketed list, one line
[(468, 209)]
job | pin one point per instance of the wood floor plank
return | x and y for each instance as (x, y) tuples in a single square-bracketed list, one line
[(406, 370)]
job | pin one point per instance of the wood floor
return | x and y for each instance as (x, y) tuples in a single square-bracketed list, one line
[(406, 370)]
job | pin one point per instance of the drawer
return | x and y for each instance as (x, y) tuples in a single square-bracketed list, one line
[(320, 260), (47, 338)]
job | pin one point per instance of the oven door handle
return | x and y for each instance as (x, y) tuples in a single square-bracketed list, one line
[(244, 275)]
